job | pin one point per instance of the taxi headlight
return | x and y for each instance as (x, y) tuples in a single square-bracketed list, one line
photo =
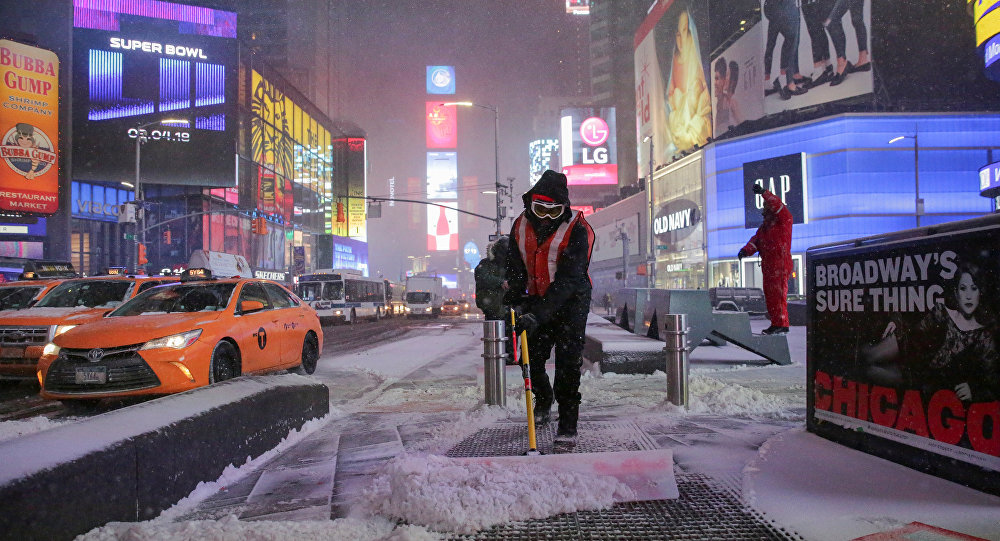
[(174, 341), (428, 309), (56, 330), (51, 349)]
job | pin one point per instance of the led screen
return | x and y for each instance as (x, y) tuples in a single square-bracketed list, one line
[(139, 63), (541, 152), (589, 155), (442, 175), (442, 126), (442, 228), (440, 79)]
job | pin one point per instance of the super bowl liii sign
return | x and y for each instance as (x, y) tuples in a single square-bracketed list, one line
[(784, 176)]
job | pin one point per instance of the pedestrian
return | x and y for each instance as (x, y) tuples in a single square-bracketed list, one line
[(547, 271), (607, 303), (774, 242)]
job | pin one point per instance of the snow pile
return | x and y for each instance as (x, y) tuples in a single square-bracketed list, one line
[(444, 436), (450, 495), (16, 429), (232, 529), (709, 395)]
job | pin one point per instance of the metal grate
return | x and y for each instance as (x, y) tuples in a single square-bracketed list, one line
[(705, 509), (701, 512)]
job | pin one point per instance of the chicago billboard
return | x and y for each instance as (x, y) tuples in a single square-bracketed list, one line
[(673, 101), (29, 129), (587, 137), (139, 63)]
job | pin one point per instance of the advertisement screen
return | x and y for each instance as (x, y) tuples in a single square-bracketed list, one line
[(442, 175), (822, 48), (139, 63), (590, 155), (737, 79), (29, 129), (440, 79), (442, 228), (357, 182), (442, 126), (902, 349), (578, 7), (784, 176), (673, 101), (541, 153)]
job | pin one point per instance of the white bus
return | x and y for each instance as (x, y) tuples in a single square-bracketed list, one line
[(343, 295)]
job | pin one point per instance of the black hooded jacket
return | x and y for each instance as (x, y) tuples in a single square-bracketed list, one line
[(571, 285)]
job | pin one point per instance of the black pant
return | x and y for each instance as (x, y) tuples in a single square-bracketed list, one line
[(836, 27), (564, 333), (784, 16), (815, 13)]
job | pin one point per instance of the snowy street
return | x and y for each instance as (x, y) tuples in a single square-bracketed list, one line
[(742, 459)]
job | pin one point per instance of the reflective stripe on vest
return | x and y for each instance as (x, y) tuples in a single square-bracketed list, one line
[(544, 256)]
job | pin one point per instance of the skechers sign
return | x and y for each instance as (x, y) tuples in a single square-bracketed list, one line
[(989, 180), (784, 176), (675, 221)]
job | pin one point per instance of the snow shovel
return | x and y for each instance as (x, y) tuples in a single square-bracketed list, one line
[(526, 373)]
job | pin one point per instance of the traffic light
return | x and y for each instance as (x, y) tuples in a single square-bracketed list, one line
[(141, 259), (167, 237), (258, 226), (340, 213)]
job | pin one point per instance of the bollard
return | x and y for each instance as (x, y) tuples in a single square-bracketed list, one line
[(494, 363), (676, 351)]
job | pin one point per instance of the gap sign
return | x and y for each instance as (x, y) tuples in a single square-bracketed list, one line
[(784, 176)]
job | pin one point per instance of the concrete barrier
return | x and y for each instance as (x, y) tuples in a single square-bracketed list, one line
[(131, 464)]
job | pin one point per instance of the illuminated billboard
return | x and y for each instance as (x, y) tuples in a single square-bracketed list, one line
[(442, 175), (442, 227), (141, 62), (29, 129), (541, 153), (589, 148), (442, 126), (440, 79), (578, 7), (673, 102)]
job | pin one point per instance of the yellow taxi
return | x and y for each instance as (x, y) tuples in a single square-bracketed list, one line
[(24, 333), (38, 278), (181, 336), (451, 308)]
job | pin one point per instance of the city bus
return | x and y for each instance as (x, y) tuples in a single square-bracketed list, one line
[(343, 295)]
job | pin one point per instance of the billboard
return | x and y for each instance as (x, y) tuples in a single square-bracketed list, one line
[(442, 175), (587, 137), (442, 126), (902, 356), (440, 79), (541, 153), (784, 176), (442, 227), (822, 47), (673, 101), (578, 7), (29, 129), (737, 79), (138, 63), (357, 182)]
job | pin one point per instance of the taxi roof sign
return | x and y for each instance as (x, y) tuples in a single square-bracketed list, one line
[(116, 271), (194, 275), (48, 269)]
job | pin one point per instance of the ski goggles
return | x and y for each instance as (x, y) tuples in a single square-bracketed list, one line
[(543, 209)]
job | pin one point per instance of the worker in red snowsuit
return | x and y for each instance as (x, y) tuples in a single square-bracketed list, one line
[(549, 286), (774, 242)]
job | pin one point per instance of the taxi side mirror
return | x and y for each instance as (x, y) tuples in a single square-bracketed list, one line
[(247, 307)]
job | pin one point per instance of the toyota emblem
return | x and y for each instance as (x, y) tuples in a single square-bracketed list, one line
[(95, 355)]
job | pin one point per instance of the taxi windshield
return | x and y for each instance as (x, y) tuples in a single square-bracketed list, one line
[(89, 293), (178, 298), (17, 297)]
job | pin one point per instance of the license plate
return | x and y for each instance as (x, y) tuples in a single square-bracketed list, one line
[(91, 374), (12, 353)]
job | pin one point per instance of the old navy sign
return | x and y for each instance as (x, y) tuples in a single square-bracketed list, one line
[(676, 220), (784, 176), (989, 180)]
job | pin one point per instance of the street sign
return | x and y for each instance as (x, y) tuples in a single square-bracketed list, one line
[(129, 236)]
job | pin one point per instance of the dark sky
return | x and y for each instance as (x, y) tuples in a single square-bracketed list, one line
[(506, 53)]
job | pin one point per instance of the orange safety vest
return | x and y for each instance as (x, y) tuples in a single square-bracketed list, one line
[(541, 260)]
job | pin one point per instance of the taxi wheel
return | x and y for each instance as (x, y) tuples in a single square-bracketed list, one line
[(310, 354), (225, 362)]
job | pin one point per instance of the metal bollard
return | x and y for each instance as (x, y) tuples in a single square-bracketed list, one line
[(676, 351), (494, 363)]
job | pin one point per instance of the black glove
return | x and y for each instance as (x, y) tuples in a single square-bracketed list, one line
[(758, 189), (743, 253), (527, 323)]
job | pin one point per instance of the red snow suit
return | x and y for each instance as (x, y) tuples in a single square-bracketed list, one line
[(774, 242)]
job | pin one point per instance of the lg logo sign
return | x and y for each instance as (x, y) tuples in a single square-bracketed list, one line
[(594, 132)]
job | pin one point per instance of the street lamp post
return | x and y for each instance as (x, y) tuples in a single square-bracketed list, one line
[(140, 216), (649, 195), (496, 146), (918, 202)]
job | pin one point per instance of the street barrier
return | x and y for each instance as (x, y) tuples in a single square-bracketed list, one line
[(494, 363), (676, 330)]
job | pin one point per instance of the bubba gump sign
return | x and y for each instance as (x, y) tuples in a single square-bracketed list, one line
[(29, 127)]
